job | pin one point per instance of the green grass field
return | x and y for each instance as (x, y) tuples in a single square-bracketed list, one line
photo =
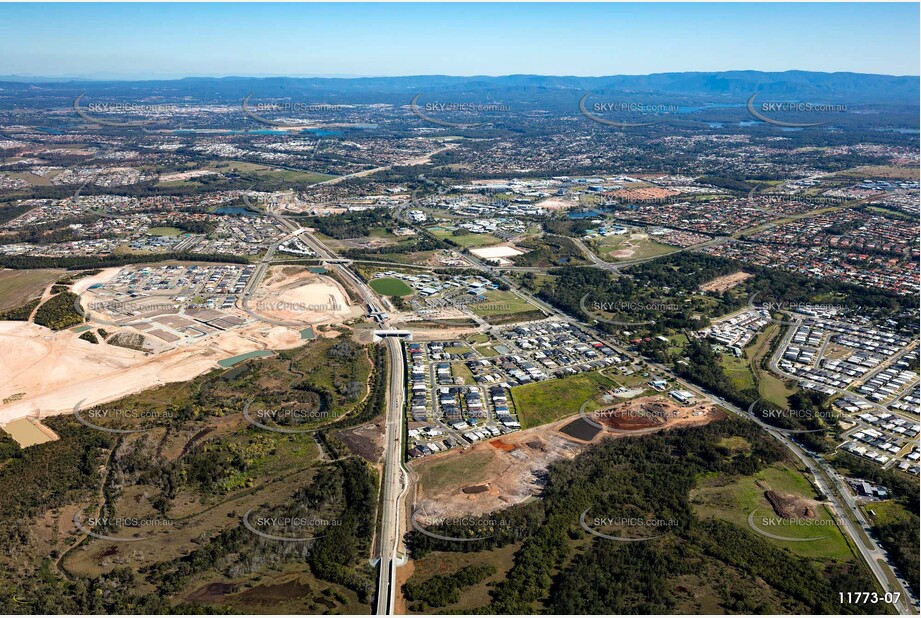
[(738, 371), (885, 511), (468, 468), (500, 303), (772, 388), (734, 500), (465, 240), (460, 370), (391, 287), (677, 343), (551, 400), (266, 171), (641, 247), (471, 597), (487, 350)]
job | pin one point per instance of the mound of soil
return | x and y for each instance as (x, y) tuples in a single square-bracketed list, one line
[(790, 506)]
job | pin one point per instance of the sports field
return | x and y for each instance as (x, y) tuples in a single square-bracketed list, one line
[(391, 287)]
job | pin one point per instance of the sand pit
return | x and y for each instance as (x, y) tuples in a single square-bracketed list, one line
[(103, 276), (629, 245), (641, 194), (48, 373), (556, 203)]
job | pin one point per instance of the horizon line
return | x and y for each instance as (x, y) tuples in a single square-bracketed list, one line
[(141, 77)]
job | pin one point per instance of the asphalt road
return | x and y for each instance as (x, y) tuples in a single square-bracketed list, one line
[(821, 470), (395, 478), (394, 482)]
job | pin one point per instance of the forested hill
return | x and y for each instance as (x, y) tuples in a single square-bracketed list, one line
[(727, 86)]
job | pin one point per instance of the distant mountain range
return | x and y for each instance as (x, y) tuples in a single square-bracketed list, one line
[(853, 88)]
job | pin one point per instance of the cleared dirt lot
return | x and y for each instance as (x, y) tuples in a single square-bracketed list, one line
[(721, 284), (48, 373), (293, 293), (555, 203), (498, 473)]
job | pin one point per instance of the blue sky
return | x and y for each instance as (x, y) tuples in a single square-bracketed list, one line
[(173, 40)]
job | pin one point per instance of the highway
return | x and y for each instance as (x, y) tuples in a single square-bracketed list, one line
[(394, 480), (395, 477), (393, 485)]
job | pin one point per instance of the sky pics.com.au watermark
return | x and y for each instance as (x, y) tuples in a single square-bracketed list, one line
[(295, 307), (263, 309), (596, 308), (790, 529), (471, 303), (462, 529), (441, 113), (95, 309), (624, 114), (120, 114), (626, 529), (797, 309), (288, 113), (117, 528), (767, 416), (287, 419), (122, 421), (792, 114), (117, 307), (289, 529), (812, 200)]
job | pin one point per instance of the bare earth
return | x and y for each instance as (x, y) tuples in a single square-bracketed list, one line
[(297, 295), (721, 284), (52, 372), (510, 467), (555, 203), (48, 373)]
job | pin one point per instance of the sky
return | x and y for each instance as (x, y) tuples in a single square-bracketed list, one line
[(146, 41)]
